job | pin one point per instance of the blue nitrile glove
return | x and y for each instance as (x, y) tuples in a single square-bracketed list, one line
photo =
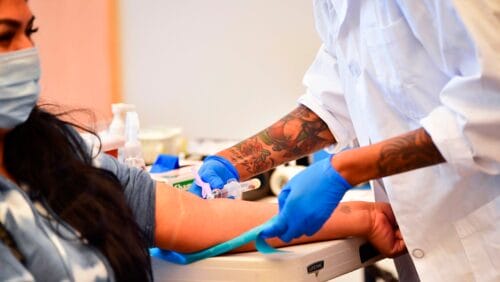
[(216, 171), (307, 201), (165, 163)]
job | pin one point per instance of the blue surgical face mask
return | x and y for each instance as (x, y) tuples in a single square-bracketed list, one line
[(19, 88)]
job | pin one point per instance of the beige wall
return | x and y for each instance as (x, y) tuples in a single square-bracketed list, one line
[(75, 44), (218, 68)]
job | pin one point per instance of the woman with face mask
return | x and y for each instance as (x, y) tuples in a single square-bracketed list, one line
[(66, 214)]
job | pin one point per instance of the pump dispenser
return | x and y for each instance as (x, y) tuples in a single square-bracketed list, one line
[(117, 125), (131, 153), (113, 139)]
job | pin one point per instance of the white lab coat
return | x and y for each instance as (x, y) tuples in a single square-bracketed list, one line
[(389, 67)]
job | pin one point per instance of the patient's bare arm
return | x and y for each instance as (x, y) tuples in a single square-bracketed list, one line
[(186, 223)]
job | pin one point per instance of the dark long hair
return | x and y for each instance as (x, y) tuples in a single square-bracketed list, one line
[(47, 154)]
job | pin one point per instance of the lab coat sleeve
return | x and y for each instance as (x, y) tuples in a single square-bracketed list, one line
[(139, 190), (325, 97), (466, 127)]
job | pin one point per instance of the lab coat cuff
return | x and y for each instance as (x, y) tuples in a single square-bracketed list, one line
[(339, 132), (446, 131)]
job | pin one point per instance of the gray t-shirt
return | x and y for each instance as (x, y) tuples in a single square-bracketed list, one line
[(51, 248), (139, 191)]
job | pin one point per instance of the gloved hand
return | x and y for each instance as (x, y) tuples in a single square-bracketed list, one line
[(216, 171), (307, 201)]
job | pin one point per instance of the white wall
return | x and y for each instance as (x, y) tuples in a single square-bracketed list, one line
[(219, 68)]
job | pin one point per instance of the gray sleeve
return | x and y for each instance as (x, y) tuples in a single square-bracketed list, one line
[(139, 191), (11, 268)]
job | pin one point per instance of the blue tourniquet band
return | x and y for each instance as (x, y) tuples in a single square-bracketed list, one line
[(247, 237)]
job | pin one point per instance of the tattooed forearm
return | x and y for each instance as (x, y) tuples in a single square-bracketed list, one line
[(297, 134), (411, 151), (251, 155)]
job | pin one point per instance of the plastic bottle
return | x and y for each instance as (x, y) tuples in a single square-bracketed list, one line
[(117, 125), (113, 138), (131, 153)]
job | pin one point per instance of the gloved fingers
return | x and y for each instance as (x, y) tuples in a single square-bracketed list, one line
[(212, 178), (202, 169), (195, 189), (283, 196), (276, 229), (289, 236), (221, 166), (289, 219), (318, 219), (295, 230)]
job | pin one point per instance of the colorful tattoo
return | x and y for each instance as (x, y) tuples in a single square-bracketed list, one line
[(299, 133), (252, 155)]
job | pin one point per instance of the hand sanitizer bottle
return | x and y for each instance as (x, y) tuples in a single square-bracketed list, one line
[(131, 153), (114, 137), (117, 125)]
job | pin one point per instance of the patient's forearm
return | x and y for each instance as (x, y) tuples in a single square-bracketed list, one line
[(187, 223), (348, 219)]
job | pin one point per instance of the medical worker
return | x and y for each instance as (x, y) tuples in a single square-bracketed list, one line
[(414, 86), (69, 214)]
